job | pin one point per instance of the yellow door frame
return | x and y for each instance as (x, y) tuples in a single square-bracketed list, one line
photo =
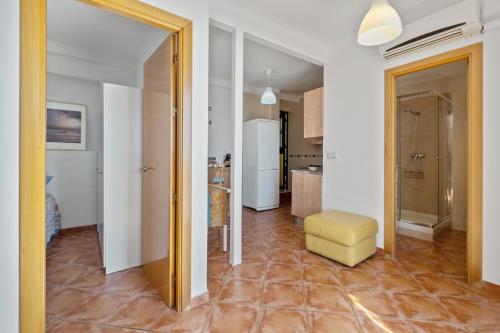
[(474, 55), (33, 23)]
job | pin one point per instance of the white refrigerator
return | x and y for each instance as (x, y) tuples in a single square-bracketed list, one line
[(261, 167)]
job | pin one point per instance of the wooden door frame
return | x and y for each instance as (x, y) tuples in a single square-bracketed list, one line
[(33, 23), (474, 55)]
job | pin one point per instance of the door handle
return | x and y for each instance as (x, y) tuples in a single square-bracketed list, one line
[(145, 169)]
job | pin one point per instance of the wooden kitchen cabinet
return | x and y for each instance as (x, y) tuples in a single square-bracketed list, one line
[(313, 116), (306, 193)]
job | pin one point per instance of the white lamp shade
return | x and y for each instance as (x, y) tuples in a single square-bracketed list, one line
[(268, 97), (380, 25)]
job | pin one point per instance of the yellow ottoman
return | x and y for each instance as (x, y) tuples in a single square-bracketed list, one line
[(344, 237)]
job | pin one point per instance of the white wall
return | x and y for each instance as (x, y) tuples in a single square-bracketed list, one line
[(75, 179), (491, 193), (219, 130), (9, 166), (354, 127), (74, 186), (75, 75)]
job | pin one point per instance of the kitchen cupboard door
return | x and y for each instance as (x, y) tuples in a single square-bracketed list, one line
[(297, 195), (313, 114), (306, 194)]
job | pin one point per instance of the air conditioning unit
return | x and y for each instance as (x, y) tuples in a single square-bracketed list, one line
[(461, 30)]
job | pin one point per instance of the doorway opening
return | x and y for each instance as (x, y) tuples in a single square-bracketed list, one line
[(87, 80), (431, 164), (110, 143), (220, 143), (283, 151), (274, 124), (433, 161)]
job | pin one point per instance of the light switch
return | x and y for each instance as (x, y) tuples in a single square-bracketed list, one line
[(332, 156)]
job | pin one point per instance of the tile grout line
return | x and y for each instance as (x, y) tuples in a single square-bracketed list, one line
[(279, 231), (304, 293), (260, 310), (216, 300), (344, 293)]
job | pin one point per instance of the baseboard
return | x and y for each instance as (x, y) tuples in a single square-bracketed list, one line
[(380, 252), (200, 300), (81, 228), (490, 285)]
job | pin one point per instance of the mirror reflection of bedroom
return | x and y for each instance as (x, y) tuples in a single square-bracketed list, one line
[(432, 168), (108, 77)]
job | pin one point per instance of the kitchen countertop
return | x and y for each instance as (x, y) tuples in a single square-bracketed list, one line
[(319, 172)]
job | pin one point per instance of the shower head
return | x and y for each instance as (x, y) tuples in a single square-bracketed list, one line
[(412, 112)]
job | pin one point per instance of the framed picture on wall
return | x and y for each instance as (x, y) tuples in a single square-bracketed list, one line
[(66, 126)]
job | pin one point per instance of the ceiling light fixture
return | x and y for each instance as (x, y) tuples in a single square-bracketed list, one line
[(380, 25), (268, 97)]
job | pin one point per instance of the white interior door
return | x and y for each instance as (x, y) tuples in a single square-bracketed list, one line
[(122, 177)]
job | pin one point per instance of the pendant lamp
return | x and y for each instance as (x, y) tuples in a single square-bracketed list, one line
[(380, 25), (268, 97)]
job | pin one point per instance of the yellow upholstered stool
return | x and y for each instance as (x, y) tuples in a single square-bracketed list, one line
[(344, 237)]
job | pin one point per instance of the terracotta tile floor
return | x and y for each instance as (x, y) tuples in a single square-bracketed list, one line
[(280, 287)]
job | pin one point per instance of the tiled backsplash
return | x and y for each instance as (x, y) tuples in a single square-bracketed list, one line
[(305, 156)]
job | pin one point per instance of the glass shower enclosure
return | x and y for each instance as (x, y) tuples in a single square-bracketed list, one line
[(424, 161)]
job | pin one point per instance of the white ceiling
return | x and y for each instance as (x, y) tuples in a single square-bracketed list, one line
[(111, 36), (328, 21), (100, 32), (290, 74)]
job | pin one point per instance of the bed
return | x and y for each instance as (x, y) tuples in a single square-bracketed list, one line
[(52, 214)]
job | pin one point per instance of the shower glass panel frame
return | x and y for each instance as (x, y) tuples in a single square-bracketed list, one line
[(445, 157), (439, 160)]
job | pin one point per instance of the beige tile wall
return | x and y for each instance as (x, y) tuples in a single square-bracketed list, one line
[(420, 194)]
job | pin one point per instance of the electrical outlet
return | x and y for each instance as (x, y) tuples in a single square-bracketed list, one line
[(332, 155)]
